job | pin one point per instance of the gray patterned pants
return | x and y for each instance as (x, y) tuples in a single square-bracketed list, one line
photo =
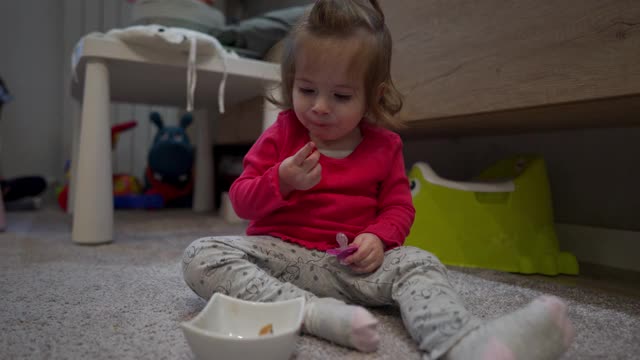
[(264, 268)]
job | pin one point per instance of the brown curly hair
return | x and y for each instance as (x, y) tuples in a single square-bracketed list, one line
[(341, 19)]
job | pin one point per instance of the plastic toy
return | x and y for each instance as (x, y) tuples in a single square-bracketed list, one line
[(117, 129), (344, 249), (127, 190), (170, 163), (502, 221), (125, 185)]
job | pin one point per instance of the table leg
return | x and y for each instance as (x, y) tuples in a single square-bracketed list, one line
[(270, 112), (75, 145), (93, 204), (203, 183)]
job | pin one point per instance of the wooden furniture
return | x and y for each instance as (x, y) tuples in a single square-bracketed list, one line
[(109, 70), (496, 66)]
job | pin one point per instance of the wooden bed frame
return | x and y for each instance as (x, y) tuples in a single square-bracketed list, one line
[(493, 66)]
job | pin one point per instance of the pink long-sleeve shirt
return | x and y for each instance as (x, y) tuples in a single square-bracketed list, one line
[(366, 192)]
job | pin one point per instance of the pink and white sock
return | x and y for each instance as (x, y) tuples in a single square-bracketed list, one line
[(540, 330), (348, 325)]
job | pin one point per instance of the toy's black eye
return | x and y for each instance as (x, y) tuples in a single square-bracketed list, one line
[(414, 184), (161, 30)]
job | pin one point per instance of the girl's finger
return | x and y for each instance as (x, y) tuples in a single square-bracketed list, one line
[(358, 270), (367, 261), (311, 161), (316, 174), (362, 269), (303, 153), (357, 256)]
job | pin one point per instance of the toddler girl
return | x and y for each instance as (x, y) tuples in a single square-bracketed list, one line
[(328, 168)]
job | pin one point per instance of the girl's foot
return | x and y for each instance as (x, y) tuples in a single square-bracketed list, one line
[(347, 325), (540, 330)]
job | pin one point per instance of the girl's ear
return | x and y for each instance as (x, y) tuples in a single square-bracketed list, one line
[(156, 119), (380, 92)]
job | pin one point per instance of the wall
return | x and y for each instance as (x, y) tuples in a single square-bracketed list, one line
[(30, 39)]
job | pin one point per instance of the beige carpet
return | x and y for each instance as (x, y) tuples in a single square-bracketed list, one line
[(126, 299)]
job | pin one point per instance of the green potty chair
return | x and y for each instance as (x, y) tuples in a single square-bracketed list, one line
[(503, 220)]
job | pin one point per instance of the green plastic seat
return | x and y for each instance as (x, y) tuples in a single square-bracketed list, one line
[(503, 220)]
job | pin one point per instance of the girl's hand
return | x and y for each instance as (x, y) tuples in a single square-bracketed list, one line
[(369, 256), (301, 171)]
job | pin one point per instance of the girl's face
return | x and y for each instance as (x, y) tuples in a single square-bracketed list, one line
[(328, 91)]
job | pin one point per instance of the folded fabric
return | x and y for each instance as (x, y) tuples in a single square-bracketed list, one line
[(173, 39), (188, 14), (261, 33)]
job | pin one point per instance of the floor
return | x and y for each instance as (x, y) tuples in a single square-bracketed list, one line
[(604, 279), (127, 299)]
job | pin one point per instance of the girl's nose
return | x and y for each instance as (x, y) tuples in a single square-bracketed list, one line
[(320, 106)]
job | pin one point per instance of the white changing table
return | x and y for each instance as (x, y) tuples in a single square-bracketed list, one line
[(110, 70)]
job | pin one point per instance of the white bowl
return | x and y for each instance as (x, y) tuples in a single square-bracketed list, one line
[(228, 328)]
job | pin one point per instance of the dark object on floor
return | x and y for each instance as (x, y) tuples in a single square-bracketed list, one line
[(22, 187), (4, 98), (227, 159)]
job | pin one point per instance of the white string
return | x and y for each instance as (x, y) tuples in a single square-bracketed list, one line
[(192, 76), (221, 88)]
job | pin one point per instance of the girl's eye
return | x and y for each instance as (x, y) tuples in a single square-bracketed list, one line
[(343, 97), (306, 91)]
